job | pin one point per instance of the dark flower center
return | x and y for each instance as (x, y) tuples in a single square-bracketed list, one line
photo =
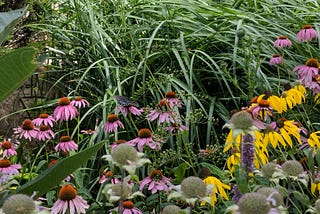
[(254, 100), (312, 63), (280, 122), (275, 55), (6, 145), (170, 94), (44, 128), (65, 138), (128, 204), (264, 103), (77, 98), (120, 141), (156, 174), (112, 118), (64, 101), (27, 125), (283, 37), (44, 115), (144, 133), (4, 163), (307, 27), (163, 103), (67, 193), (287, 86), (108, 174)]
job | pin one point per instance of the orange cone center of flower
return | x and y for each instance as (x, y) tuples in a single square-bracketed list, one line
[(312, 63), (156, 174), (120, 141), (65, 138), (77, 98), (112, 118), (144, 133), (283, 37), (307, 26), (170, 94), (108, 174), (27, 125), (67, 193), (128, 204), (6, 145), (44, 115), (44, 128), (275, 55), (52, 162), (163, 103), (64, 101), (254, 100), (4, 163), (264, 103)]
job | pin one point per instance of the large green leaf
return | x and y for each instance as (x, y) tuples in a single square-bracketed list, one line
[(8, 20), (15, 67), (52, 176)]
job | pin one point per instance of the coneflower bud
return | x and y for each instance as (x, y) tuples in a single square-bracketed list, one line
[(193, 187), (254, 202), (19, 204), (171, 209), (272, 194), (292, 167), (241, 120), (124, 153), (268, 169), (121, 190)]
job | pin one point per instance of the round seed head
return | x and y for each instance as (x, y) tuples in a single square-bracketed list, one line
[(19, 204), (254, 202), (124, 153), (193, 187), (171, 209), (121, 190), (268, 169), (274, 194), (241, 120), (292, 167)]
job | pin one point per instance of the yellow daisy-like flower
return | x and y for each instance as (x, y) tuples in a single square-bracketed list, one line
[(314, 141), (293, 96), (315, 186), (277, 103), (231, 142), (233, 160), (217, 188), (317, 98)]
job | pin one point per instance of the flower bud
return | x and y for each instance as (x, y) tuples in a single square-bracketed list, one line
[(268, 169), (292, 167), (193, 187), (241, 120), (171, 209), (19, 204), (272, 194), (254, 202)]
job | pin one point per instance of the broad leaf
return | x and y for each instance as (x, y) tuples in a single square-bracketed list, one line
[(53, 176), (7, 22), (15, 68)]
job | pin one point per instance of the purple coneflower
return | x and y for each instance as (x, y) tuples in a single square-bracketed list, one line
[(7, 149), (156, 182), (44, 119), (282, 42), (276, 59), (113, 123), (117, 143), (88, 131), (66, 144), (45, 133), (69, 200), (314, 85), (6, 168), (162, 112), (176, 127), (65, 111), (27, 130), (263, 110), (79, 102), (132, 109), (172, 99), (307, 33), (108, 176), (308, 71), (144, 138), (128, 208)]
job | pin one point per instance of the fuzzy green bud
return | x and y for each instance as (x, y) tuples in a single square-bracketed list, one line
[(254, 202), (275, 196), (317, 206), (241, 120), (19, 204), (193, 187), (292, 167), (124, 153), (171, 209), (122, 190), (268, 169)]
